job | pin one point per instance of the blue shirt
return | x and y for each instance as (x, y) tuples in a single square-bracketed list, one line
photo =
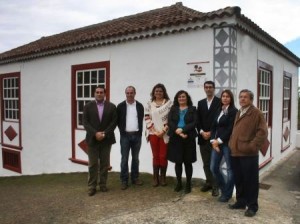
[(181, 122)]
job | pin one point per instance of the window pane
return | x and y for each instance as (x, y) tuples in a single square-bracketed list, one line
[(79, 78), (87, 77), (80, 119), (80, 106), (79, 91), (101, 76), (94, 77), (86, 91)]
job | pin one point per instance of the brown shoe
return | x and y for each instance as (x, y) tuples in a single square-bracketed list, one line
[(155, 176), (92, 192), (124, 186), (103, 189), (138, 182)]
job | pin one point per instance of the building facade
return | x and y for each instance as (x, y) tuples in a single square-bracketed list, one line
[(45, 84)]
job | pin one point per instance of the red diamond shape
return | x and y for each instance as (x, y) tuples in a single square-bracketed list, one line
[(286, 133), (83, 146), (10, 133)]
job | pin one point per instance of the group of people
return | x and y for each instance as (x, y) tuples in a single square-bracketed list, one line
[(223, 131)]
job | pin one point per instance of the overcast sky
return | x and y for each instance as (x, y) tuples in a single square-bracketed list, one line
[(23, 21)]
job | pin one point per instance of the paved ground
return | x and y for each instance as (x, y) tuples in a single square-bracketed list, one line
[(62, 199)]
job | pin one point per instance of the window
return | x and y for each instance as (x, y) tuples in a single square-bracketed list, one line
[(11, 98), (86, 82), (85, 78), (286, 98), (264, 83)]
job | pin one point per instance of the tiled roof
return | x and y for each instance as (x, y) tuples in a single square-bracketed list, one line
[(113, 30)]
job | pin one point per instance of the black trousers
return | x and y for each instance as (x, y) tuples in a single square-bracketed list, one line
[(246, 180), (205, 151)]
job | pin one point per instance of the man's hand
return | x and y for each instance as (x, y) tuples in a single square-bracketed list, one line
[(206, 135), (100, 135)]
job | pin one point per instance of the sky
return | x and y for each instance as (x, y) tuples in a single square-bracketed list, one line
[(24, 21)]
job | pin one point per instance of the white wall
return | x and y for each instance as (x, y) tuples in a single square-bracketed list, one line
[(249, 51), (46, 94)]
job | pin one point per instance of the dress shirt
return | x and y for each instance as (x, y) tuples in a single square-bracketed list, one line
[(100, 106), (243, 111), (132, 123)]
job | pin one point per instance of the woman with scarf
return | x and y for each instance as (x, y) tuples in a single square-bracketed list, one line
[(156, 118)]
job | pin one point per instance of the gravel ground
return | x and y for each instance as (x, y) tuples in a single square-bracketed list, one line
[(62, 198)]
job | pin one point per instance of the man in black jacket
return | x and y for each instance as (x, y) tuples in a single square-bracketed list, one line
[(207, 112), (99, 121), (130, 123)]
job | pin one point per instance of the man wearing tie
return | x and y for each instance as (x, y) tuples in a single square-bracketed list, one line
[(99, 121)]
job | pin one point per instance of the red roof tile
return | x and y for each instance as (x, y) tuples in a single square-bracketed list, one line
[(173, 15)]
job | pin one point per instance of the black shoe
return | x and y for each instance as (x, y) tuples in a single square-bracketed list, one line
[(178, 187), (250, 213), (103, 189), (215, 192), (187, 189), (205, 188), (236, 206), (92, 192), (223, 199), (124, 186)]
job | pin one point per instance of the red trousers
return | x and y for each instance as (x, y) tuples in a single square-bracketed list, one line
[(159, 151)]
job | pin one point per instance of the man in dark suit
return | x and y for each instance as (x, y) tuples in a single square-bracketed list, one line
[(207, 111), (130, 123), (99, 121)]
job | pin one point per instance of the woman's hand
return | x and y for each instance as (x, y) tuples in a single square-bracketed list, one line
[(215, 145), (182, 135), (178, 131)]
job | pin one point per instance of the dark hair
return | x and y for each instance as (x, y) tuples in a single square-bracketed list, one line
[(161, 86), (249, 92), (210, 83), (230, 95), (101, 87), (130, 87), (189, 100)]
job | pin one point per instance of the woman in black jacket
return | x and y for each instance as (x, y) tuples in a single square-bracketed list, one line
[(182, 121), (220, 134)]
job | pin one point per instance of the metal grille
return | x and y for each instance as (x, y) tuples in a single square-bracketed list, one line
[(11, 160)]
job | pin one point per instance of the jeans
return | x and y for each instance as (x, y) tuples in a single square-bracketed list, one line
[(226, 183), (133, 142)]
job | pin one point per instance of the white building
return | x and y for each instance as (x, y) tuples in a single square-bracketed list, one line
[(44, 84)]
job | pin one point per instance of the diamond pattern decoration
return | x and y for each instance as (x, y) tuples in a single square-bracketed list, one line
[(222, 57), (225, 58), (222, 36), (222, 77), (10, 133), (286, 134), (83, 145), (233, 37)]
